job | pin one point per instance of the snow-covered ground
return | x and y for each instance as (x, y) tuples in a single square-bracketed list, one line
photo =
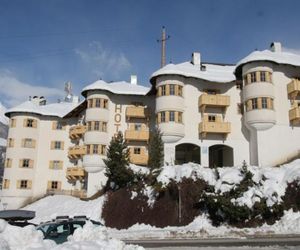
[(268, 181)]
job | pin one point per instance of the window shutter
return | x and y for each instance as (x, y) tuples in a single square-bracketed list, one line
[(20, 163), (62, 144), (59, 185), (257, 76), (31, 163), (159, 91), (248, 78), (268, 79), (52, 144), (34, 124), (61, 164), (49, 185), (33, 143), (18, 184), (176, 89), (51, 164), (29, 184), (25, 123), (259, 103), (158, 117), (6, 184), (249, 105), (167, 116), (176, 116), (54, 125), (167, 89)]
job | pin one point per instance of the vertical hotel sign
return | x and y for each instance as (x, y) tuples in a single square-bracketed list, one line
[(118, 116)]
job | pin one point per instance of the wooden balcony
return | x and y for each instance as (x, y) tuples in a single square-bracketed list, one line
[(75, 173), (137, 112), (75, 193), (77, 131), (136, 135), (293, 89), (294, 115), (219, 101), (76, 152), (139, 159), (206, 127)]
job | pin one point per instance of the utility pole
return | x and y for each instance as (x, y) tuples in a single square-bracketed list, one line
[(163, 40)]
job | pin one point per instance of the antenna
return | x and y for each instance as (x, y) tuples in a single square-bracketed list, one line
[(163, 40)]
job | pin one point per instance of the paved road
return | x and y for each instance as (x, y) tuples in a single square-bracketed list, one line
[(219, 242)]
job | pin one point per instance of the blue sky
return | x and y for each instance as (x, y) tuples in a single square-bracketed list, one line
[(43, 43)]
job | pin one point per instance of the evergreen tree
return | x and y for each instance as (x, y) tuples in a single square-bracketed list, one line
[(156, 150), (116, 164)]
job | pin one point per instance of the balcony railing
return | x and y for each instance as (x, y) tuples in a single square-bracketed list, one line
[(75, 193), (77, 152), (206, 100), (136, 135), (293, 88), (137, 112), (214, 128), (294, 115), (75, 173), (77, 131)]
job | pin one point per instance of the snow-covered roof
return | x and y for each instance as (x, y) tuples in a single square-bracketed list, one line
[(212, 73), (53, 109), (121, 88), (281, 57), (3, 119)]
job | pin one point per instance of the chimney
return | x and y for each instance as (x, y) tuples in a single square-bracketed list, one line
[(275, 47), (196, 58), (133, 79)]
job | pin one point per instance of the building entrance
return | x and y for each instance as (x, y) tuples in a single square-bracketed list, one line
[(220, 156), (187, 152)]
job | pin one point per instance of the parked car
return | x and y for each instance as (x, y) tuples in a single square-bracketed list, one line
[(59, 229)]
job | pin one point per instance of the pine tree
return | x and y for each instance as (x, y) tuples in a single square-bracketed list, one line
[(156, 150), (116, 164)]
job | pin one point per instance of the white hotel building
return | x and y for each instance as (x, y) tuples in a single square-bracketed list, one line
[(212, 114)]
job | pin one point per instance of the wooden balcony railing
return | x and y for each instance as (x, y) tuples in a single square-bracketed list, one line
[(75, 193), (214, 128), (75, 173), (293, 89), (136, 135), (206, 100), (139, 159), (77, 131), (137, 112), (294, 115), (76, 152)]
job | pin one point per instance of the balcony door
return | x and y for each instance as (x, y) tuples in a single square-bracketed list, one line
[(220, 156), (187, 152)]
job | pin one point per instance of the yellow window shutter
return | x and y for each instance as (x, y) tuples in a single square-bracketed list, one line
[(34, 124), (18, 183), (159, 91), (33, 143), (29, 184), (168, 89), (51, 164), (59, 185), (20, 163), (176, 116), (257, 76), (31, 163), (259, 103), (167, 116), (61, 164), (54, 125), (176, 89), (268, 77), (248, 78), (25, 123), (249, 105), (49, 185), (52, 144), (62, 145), (101, 103), (158, 117)]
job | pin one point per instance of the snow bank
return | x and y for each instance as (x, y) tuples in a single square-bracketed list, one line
[(139, 169), (89, 237), (51, 206)]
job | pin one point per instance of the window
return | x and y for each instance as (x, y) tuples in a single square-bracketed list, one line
[(172, 89), (25, 163), (28, 143), (56, 165), (54, 185), (137, 127), (172, 116), (264, 102), (23, 184), (5, 184), (263, 76), (253, 77), (163, 90), (104, 127), (11, 142), (96, 125), (212, 118), (90, 103), (245, 79), (95, 149), (89, 128), (88, 149), (29, 123), (163, 116), (211, 91), (57, 145), (137, 151), (97, 103), (254, 103)]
